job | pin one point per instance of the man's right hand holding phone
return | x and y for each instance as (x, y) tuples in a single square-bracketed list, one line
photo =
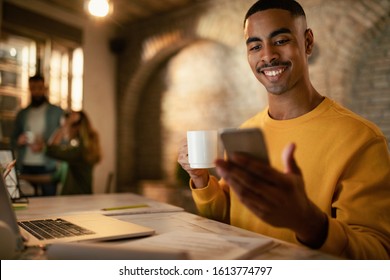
[(278, 198)]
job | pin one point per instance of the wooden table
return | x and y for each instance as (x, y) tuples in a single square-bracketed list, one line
[(162, 217)]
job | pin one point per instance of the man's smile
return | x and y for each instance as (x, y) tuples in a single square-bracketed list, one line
[(274, 72)]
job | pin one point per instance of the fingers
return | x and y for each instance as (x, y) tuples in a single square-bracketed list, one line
[(183, 154), (276, 197), (254, 169), (241, 179), (257, 195), (182, 159), (22, 140), (289, 162)]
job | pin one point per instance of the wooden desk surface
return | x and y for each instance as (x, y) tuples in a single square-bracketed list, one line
[(39, 206), (164, 218)]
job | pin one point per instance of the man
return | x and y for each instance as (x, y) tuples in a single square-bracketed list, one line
[(328, 186), (33, 127)]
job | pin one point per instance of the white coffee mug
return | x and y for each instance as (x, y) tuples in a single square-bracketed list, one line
[(202, 148), (30, 136)]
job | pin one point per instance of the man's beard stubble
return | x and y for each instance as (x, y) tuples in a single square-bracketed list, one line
[(37, 101)]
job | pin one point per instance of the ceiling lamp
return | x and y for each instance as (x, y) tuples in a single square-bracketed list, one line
[(99, 8)]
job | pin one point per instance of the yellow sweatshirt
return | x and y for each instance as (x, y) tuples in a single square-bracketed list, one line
[(346, 168)]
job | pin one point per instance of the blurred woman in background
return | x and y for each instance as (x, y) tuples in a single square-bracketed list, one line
[(77, 144)]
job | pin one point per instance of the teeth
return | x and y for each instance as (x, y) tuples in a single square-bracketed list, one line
[(273, 73)]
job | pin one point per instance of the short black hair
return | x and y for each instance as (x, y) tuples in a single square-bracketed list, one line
[(37, 78), (292, 6)]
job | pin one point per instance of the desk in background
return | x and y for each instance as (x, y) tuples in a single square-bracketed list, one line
[(163, 217)]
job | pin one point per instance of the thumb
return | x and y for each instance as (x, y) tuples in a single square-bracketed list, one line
[(290, 165)]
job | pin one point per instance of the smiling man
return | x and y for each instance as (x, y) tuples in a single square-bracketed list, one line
[(328, 185)]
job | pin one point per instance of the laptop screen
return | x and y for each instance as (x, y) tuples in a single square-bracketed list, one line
[(7, 213), (11, 180)]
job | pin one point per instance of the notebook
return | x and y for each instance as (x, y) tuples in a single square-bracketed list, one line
[(87, 227), (11, 181)]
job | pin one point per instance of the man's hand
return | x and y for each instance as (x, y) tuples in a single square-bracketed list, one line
[(200, 177), (22, 140), (277, 198), (38, 145)]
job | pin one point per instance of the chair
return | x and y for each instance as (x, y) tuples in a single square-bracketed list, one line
[(40, 179)]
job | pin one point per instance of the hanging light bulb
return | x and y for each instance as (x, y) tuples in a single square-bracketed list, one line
[(98, 8)]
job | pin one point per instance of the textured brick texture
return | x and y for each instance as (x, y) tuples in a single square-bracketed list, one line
[(188, 70)]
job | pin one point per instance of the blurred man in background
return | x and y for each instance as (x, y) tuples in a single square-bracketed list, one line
[(33, 127)]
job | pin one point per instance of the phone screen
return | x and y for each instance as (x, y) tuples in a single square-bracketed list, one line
[(245, 140)]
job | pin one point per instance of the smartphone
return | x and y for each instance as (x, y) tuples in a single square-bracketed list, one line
[(245, 140)]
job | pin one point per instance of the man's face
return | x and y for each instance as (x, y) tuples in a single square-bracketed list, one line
[(38, 92), (277, 49)]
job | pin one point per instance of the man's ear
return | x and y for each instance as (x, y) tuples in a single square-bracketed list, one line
[(309, 41)]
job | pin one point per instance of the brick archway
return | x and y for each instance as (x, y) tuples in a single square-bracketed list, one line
[(128, 111), (369, 94)]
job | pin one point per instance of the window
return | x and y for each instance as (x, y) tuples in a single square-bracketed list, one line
[(17, 63), (61, 76), (22, 57), (77, 79), (33, 43)]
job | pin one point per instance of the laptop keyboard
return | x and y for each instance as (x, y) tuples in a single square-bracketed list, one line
[(53, 228)]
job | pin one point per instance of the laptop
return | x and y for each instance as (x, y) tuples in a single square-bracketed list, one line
[(11, 181), (83, 227)]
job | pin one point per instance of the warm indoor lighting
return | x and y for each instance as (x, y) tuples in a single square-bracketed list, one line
[(99, 8), (13, 52)]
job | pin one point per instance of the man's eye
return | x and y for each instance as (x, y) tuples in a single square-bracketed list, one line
[(281, 42), (255, 48)]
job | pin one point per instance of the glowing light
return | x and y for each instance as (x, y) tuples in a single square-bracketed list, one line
[(99, 8)]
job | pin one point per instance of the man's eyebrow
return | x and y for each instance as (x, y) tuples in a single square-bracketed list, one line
[(272, 35), (279, 31), (253, 39)]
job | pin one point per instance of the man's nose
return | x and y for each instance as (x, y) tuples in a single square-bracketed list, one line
[(269, 53)]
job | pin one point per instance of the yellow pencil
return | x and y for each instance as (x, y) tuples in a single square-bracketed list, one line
[(18, 206)]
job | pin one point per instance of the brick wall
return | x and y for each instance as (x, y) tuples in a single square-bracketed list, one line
[(188, 70)]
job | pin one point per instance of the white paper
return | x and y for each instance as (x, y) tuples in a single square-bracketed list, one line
[(207, 246)]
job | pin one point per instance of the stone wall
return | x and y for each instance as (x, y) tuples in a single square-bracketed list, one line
[(188, 70)]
